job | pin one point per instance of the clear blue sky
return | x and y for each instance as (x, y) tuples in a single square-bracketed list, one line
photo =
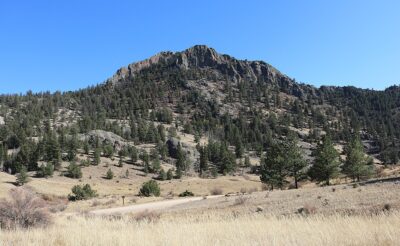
[(66, 45)]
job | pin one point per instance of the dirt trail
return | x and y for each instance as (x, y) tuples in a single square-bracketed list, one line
[(151, 206)]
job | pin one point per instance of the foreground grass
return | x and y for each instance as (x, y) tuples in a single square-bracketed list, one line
[(214, 229)]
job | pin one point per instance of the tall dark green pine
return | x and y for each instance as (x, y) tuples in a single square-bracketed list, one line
[(357, 165), (273, 168), (326, 164), (203, 159), (295, 162), (180, 159)]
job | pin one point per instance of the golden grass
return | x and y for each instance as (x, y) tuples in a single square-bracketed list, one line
[(215, 229)]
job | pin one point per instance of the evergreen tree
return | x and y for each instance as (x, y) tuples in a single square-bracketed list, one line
[(357, 165), (162, 175), (74, 171), (295, 162), (108, 150), (203, 159), (109, 174), (247, 161), (120, 162), (22, 176), (273, 168), (170, 174), (86, 147), (180, 161), (45, 170), (133, 154), (96, 157), (239, 149), (155, 165), (326, 163)]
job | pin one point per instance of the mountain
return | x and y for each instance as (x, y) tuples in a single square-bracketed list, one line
[(238, 103)]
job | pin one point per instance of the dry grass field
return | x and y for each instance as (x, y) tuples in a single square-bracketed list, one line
[(336, 215), (214, 229)]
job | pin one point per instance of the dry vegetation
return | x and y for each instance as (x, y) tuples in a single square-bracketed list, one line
[(339, 215), (215, 229)]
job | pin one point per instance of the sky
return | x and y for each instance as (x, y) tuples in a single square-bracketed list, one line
[(67, 45)]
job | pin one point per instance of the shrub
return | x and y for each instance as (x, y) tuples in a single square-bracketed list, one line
[(241, 200), (120, 162), (216, 191), (162, 175), (24, 210), (22, 176), (150, 188), (108, 151), (109, 174), (45, 171), (170, 174), (81, 193), (147, 216), (307, 209), (186, 193), (74, 171)]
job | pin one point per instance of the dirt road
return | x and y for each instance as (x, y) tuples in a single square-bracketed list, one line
[(151, 206)]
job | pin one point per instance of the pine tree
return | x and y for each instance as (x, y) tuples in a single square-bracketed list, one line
[(120, 162), (133, 154), (180, 161), (170, 174), (295, 162), (239, 149), (162, 175), (203, 159), (273, 168), (357, 165), (22, 176), (109, 174), (74, 171), (96, 157), (155, 165), (247, 161), (326, 164)]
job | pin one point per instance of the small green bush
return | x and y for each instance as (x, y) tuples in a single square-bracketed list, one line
[(186, 193), (22, 176), (170, 174), (150, 188), (81, 193), (45, 171), (109, 174), (74, 171), (162, 175)]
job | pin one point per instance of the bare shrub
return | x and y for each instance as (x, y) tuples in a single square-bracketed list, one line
[(23, 210), (264, 187), (147, 216), (251, 190), (387, 207), (307, 210), (216, 191), (110, 202), (241, 200), (96, 203), (55, 203)]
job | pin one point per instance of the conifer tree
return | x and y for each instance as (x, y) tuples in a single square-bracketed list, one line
[(295, 163), (22, 176), (357, 165), (326, 164), (273, 167)]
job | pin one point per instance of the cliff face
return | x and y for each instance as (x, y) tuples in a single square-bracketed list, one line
[(222, 67)]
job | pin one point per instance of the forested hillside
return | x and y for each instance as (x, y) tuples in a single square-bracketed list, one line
[(241, 108)]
